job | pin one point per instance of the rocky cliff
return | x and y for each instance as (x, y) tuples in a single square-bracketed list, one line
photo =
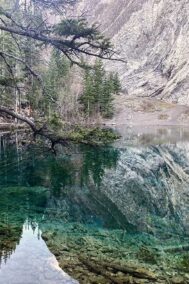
[(153, 37), (150, 187)]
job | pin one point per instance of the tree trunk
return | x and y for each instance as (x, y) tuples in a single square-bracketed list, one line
[(19, 117)]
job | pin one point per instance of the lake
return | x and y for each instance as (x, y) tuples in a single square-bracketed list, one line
[(107, 214)]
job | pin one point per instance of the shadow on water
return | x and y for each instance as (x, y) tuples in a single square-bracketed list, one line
[(100, 205)]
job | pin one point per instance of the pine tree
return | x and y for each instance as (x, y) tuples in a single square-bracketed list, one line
[(88, 99), (27, 23), (98, 76), (99, 89), (106, 99), (55, 79), (116, 84)]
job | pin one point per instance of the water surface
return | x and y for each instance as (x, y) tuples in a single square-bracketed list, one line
[(87, 207), (31, 261)]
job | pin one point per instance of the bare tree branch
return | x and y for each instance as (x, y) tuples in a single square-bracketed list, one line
[(19, 117)]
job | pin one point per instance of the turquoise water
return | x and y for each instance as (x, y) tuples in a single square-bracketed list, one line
[(64, 218)]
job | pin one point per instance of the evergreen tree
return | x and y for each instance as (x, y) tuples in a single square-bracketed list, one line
[(98, 77), (99, 89), (55, 79), (107, 99), (88, 99), (29, 27), (58, 69), (17, 57), (116, 84)]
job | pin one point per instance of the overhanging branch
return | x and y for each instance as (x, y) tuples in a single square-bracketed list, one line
[(19, 117), (66, 46)]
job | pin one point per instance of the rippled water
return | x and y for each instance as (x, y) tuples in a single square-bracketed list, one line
[(98, 214)]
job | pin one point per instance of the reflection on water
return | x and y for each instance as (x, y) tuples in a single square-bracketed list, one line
[(150, 135), (122, 206), (32, 262)]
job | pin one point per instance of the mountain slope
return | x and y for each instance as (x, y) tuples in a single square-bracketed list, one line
[(153, 37)]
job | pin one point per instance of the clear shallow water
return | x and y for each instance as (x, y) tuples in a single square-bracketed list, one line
[(127, 205)]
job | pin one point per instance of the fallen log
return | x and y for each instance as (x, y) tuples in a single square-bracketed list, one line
[(135, 272), (175, 249), (140, 273), (99, 270)]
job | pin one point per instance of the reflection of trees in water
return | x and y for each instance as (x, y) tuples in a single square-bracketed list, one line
[(138, 197), (96, 161), (18, 204), (26, 172), (39, 167), (11, 233), (74, 181), (7, 251), (9, 238), (78, 168)]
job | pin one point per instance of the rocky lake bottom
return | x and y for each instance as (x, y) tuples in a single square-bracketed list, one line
[(114, 214)]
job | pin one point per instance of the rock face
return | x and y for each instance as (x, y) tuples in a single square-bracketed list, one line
[(153, 37), (150, 187), (142, 188)]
